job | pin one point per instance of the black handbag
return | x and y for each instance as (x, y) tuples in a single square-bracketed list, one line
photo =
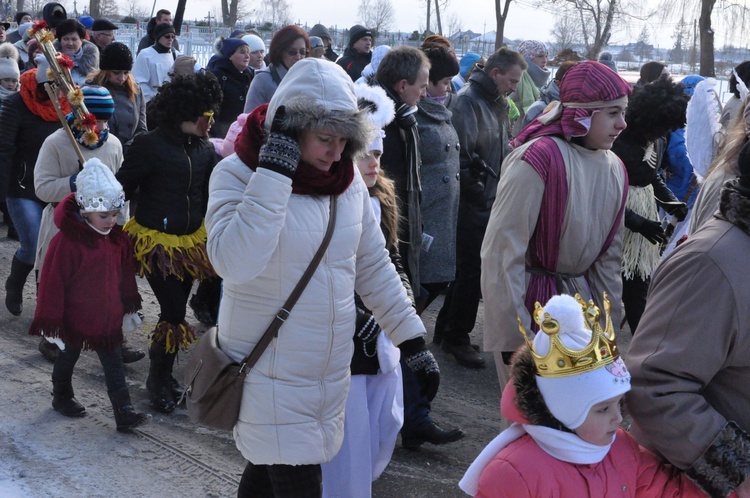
[(213, 381)]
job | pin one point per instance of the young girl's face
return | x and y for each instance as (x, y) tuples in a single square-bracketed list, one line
[(602, 422), (606, 126), (368, 166), (103, 221), (9, 84)]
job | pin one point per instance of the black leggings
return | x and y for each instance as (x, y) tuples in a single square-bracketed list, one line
[(281, 481), (172, 294), (114, 372)]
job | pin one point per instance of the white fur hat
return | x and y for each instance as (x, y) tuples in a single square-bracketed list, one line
[(570, 398), (254, 42), (97, 189), (381, 110)]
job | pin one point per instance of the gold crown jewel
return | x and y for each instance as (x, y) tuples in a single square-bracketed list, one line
[(560, 361)]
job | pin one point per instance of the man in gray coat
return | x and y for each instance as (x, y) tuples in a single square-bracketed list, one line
[(480, 117), (690, 399)]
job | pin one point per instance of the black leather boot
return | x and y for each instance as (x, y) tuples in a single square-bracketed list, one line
[(175, 388), (159, 392), (131, 355), (63, 400), (14, 285), (125, 415)]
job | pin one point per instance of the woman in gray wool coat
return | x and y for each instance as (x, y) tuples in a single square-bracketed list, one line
[(439, 150)]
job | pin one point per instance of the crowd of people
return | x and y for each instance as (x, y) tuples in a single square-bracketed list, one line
[(570, 203)]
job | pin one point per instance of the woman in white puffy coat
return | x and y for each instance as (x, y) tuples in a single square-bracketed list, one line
[(267, 213)]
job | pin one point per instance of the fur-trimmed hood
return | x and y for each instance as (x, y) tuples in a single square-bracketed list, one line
[(89, 60), (734, 205), (319, 94)]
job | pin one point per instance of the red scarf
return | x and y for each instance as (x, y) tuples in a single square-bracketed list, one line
[(44, 110), (308, 180)]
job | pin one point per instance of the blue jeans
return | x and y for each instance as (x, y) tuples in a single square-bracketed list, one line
[(27, 217), (416, 405)]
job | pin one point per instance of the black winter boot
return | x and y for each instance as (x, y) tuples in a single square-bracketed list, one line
[(131, 355), (14, 285), (125, 415), (159, 392), (175, 388), (63, 400)]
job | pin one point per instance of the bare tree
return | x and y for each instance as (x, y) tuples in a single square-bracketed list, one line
[(135, 9), (436, 6), (376, 15), (277, 12), (500, 16), (95, 9), (566, 32), (454, 24), (108, 9), (232, 10)]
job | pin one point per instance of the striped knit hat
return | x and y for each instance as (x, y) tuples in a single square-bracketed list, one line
[(98, 101), (587, 87)]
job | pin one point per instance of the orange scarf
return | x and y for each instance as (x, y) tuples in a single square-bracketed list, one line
[(44, 110)]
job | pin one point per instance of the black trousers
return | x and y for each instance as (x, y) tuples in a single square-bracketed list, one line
[(281, 481), (634, 293), (459, 312), (172, 294)]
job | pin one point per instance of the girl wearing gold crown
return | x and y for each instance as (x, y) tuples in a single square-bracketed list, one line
[(564, 404)]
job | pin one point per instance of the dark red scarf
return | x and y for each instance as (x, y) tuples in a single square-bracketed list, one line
[(308, 180)]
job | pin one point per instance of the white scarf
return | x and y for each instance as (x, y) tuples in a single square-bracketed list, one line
[(561, 445)]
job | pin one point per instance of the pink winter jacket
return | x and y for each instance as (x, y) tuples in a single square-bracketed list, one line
[(523, 469)]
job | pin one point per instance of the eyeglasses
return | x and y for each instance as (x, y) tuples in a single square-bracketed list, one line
[(209, 115), (168, 36), (292, 53)]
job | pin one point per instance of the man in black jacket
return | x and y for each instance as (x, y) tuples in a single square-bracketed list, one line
[(480, 117), (358, 52)]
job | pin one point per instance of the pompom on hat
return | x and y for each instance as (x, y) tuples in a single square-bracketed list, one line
[(116, 57), (97, 189), (578, 364), (380, 109)]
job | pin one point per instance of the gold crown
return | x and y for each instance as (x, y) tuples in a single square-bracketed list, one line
[(561, 361)]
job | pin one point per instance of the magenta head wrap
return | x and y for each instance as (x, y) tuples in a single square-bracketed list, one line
[(532, 48), (585, 88)]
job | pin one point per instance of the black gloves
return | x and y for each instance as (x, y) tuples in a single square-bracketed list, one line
[(367, 329), (653, 232), (480, 166), (281, 152), (423, 364), (677, 209)]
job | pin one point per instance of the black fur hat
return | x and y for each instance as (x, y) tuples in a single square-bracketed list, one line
[(53, 14), (443, 63), (116, 57), (655, 109)]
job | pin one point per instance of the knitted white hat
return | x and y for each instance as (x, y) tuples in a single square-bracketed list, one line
[(571, 397), (97, 189), (9, 68), (254, 42)]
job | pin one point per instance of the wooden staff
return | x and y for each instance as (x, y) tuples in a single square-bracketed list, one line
[(53, 98)]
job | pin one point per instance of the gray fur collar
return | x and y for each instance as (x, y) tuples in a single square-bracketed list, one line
[(89, 61), (304, 113), (734, 205), (528, 397)]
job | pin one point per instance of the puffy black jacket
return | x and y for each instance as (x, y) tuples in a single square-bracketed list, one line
[(171, 169), (234, 86), (354, 62), (21, 136)]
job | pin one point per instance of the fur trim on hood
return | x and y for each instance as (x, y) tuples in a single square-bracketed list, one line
[(318, 94), (528, 398), (89, 61), (734, 205)]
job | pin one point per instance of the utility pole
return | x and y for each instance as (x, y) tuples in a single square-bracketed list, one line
[(429, 8)]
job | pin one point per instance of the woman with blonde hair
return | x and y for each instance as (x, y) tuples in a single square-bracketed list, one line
[(129, 118)]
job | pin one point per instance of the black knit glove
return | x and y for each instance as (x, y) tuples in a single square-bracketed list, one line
[(423, 364), (281, 152)]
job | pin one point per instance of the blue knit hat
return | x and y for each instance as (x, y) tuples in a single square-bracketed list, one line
[(230, 46), (87, 21), (98, 101), (468, 60)]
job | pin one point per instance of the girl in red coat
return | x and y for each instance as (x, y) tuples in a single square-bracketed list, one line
[(87, 293), (564, 404)]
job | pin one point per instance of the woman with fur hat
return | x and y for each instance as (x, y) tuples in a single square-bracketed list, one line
[(289, 45), (374, 406), (88, 295), (169, 167), (129, 118), (71, 40), (232, 69), (565, 433), (654, 110), (273, 199), (27, 118)]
